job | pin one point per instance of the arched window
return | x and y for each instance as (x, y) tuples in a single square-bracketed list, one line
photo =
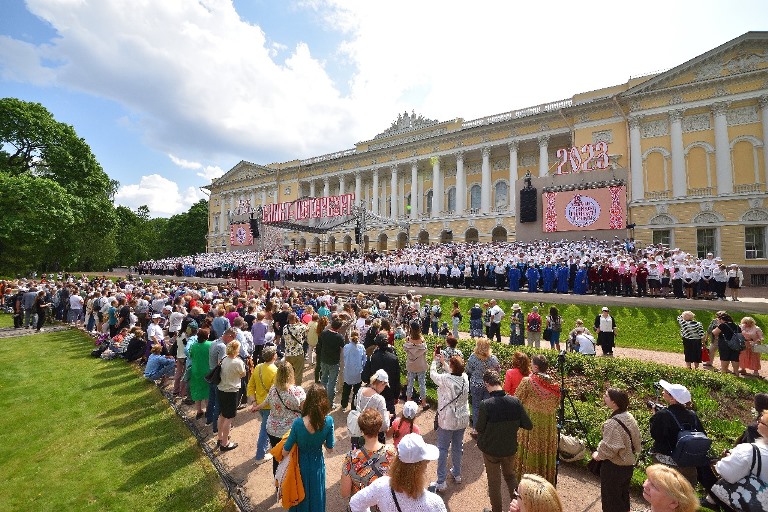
[(452, 199), (500, 194), (474, 197), (428, 204)]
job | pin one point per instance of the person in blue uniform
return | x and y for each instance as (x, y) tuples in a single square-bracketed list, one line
[(581, 283), (513, 276), (532, 274), (548, 278), (562, 278)]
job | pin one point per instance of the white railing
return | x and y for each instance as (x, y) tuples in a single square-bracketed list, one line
[(329, 156), (653, 196), (517, 114), (500, 209), (702, 191), (749, 188)]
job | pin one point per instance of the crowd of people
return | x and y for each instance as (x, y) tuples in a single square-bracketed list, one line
[(260, 341), (600, 267)]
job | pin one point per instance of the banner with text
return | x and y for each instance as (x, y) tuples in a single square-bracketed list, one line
[(310, 208), (585, 210)]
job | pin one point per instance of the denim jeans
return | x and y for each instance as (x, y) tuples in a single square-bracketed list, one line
[(455, 440), (422, 376), (212, 411), (435, 330), (479, 393), (329, 373), (262, 444)]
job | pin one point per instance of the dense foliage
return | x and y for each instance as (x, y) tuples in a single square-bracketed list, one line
[(57, 207)]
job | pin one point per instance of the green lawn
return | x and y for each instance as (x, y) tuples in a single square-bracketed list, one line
[(642, 328), (85, 434)]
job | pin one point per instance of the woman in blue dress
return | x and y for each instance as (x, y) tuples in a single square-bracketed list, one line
[(313, 430)]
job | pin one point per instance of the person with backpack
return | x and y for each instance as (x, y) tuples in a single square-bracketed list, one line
[(666, 426), (437, 313), (554, 327), (729, 351)]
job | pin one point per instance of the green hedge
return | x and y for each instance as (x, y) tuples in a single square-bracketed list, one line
[(723, 402)]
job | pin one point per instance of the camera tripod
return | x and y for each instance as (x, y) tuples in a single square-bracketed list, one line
[(561, 413)]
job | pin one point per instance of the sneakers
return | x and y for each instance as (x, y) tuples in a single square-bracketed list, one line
[(266, 458), (456, 479), (438, 487)]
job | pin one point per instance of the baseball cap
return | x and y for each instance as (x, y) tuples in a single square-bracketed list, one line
[(410, 408), (679, 392), (381, 376), (412, 449), (605, 309), (156, 315)]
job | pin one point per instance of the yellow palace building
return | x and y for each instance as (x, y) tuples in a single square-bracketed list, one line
[(690, 142)]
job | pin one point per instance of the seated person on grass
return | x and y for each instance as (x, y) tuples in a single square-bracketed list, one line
[(159, 367)]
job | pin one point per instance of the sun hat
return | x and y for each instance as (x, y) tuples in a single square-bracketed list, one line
[(410, 408), (412, 449), (381, 376), (677, 391)]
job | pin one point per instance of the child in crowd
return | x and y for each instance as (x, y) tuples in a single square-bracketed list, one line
[(404, 424)]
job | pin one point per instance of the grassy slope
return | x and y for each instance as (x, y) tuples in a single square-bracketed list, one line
[(85, 434), (642, 328)]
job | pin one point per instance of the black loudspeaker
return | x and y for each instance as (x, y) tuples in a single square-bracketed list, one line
[(528, 207), (255, 228)]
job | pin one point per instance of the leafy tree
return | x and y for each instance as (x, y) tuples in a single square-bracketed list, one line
[(37, 147), (185, 233)]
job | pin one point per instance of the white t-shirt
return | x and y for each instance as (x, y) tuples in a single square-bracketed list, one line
[(497, 314), (586, 344), (75, 302)]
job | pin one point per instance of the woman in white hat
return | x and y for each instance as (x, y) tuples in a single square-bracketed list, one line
[(516, 326), (370, 397), (404, 487)]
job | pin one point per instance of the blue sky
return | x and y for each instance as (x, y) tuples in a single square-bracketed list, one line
[(172, 93)]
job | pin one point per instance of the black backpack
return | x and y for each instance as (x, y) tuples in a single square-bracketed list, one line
[(692, 448)]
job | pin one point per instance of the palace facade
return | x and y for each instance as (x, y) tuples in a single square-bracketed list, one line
[(690, 141)]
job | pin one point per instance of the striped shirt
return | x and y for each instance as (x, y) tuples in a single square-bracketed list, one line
[(690, 329)]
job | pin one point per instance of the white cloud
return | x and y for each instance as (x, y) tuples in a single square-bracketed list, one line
[(162, 196), (184, 164), (211, 172)]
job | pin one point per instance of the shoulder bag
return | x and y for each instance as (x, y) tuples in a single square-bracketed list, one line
[(743, 496), (594, 465), (352, 427), (214, 376)]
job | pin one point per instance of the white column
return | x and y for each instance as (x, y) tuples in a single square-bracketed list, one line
[(679, 184), (485, 181), (543, 155), (401, 195), (367, 196), (341, 186), (512, 176), (326, 187), (722, 150), (253, 199), (415, 189), (276, 194), (358, 187), (763, 102), (393, 193), (223, 218), (312, 190), (437, 194), (263, 196), (636, 159), (375, 192), (461, 184)]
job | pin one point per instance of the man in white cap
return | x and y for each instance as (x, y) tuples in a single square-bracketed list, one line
[(665, 424), (605, 327)]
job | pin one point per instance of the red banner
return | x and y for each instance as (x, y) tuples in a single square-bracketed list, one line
[(585, 210), (312, 208)]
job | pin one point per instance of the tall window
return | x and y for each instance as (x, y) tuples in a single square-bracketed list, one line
[(474, 197), (501, 191), (705, 241), (452, 199), (662, 236), (754, 242), (428, 205)]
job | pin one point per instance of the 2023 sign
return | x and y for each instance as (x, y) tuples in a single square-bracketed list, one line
[(596, 158)]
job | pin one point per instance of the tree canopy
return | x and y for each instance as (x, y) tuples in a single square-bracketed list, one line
[(57, 203)]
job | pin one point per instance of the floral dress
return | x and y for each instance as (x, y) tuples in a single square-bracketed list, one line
[(748, 358), (284, 408), (537, 448)]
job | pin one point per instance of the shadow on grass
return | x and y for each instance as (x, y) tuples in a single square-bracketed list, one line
[(158, 468), (191, 496)]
